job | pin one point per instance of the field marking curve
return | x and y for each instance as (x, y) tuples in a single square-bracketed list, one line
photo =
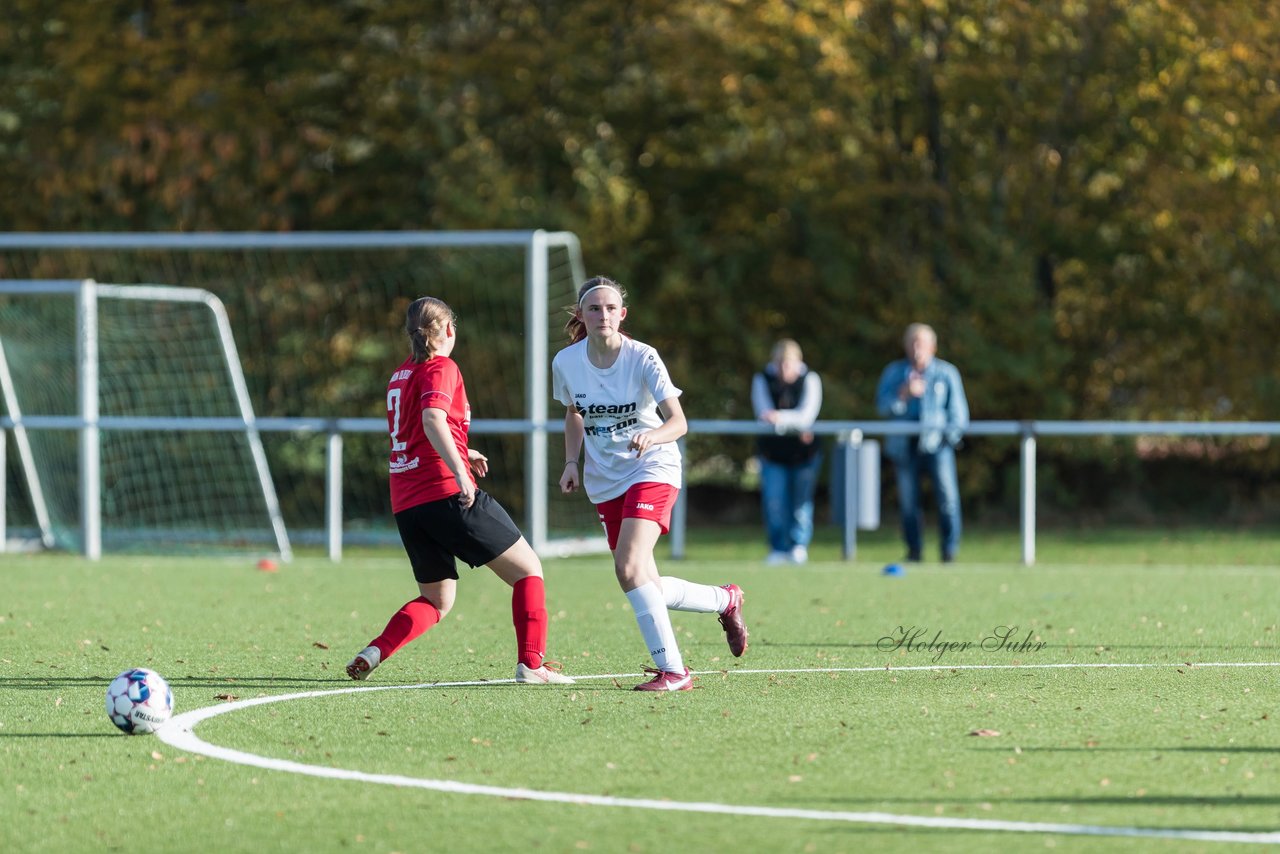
[(179, 733)]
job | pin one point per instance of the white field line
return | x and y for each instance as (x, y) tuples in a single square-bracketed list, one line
[(179, 733)]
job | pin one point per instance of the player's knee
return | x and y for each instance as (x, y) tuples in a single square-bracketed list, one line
[(441, 603), (628, 570)]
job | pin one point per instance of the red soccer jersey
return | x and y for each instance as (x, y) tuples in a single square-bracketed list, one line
[(418, 473)]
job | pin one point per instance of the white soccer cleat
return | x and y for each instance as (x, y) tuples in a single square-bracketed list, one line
[(548, 674), (365, 662)]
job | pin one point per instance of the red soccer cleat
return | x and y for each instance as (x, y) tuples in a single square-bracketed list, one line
[(735, 631), (664, 681)]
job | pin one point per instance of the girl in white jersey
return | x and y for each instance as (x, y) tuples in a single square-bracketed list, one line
[(621, 404)]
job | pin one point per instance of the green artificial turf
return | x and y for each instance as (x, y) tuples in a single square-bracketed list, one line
[(860, 694)]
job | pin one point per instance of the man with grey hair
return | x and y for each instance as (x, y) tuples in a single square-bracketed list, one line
[(926, 390)]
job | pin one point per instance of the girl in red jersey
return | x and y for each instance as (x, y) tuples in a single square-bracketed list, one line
[(438, 509), (622, 405)]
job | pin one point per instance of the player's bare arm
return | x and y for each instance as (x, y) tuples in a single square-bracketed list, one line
[(673, 427), (571, 479), (435, 424)]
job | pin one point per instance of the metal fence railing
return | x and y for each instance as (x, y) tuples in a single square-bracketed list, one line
[(850, 434), (1026, 432)]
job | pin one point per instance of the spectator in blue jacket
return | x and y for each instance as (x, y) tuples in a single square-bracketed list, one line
[(926, 390), (787, 396)]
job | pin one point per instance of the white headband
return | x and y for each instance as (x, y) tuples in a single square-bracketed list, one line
[(596, 288)]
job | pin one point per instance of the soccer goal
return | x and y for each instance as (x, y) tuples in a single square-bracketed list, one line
[(132, 421), (318, 320)]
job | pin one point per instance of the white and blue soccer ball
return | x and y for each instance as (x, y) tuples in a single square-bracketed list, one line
[(139, 701)]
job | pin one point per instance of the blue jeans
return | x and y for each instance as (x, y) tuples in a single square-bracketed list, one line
[(940, 467), (786, 495)]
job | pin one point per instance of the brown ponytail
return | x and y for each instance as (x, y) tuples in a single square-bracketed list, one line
[(426, 320)]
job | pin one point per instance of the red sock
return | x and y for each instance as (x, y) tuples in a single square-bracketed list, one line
[(411, 620), (529, 614)]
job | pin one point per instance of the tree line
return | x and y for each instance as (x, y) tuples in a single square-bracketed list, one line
[(1077, 195)]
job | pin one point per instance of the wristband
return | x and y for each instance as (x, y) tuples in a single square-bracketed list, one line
[(571, 462)]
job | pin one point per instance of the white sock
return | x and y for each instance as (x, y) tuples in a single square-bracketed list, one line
[(655, 627), (686, 596)]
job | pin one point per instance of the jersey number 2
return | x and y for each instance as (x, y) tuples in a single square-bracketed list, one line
[(393, 405)]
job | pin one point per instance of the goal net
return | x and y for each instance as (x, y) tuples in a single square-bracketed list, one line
[(318, 319), (142, 437)]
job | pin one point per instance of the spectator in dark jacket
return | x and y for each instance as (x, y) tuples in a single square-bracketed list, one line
[(787, 396)]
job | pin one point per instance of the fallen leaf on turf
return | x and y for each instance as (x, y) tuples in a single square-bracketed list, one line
[(985, 733), (319, 645)]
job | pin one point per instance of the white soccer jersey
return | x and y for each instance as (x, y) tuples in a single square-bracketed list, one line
[(616, 403)]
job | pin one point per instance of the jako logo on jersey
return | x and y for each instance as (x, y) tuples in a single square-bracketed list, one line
[(640, 505)]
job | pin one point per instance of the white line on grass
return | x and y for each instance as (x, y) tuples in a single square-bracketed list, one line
[(180, 733)]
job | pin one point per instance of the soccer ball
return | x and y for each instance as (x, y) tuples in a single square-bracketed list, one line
[(139, 701)]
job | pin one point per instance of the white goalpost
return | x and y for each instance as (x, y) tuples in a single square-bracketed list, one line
[(134, 361), (289, 440)]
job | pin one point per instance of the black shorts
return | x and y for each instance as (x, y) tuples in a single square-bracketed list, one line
[(437, 532)]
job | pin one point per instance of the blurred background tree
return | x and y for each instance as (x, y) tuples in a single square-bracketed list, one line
[(1078, 195)]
